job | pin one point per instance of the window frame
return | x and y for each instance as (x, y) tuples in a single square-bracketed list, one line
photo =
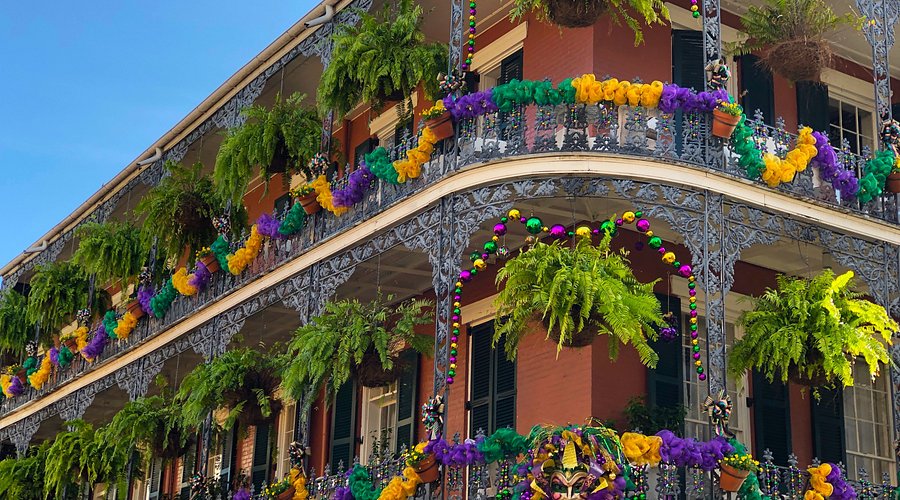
[(850, 396), (370, 401)]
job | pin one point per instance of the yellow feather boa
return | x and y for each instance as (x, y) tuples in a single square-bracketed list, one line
[(81, 339), (401, 488), (40, 377), (5, 380), (324, 196), (180, 282), (298, 481), (641, 449), (796, 160), (126, 325), (590, 91), (242, 257), (411, 167), (820, 488)]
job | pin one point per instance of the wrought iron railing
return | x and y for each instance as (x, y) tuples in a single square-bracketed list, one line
[(680, 138)]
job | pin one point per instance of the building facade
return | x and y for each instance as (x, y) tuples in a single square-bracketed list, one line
[(567, 164)]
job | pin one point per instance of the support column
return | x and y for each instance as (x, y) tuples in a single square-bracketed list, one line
[(880, 18), (712, 33), (713, 282)]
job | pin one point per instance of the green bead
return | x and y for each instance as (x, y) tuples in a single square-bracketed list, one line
[(456, 310), (695, 14), (471, 5), (696, 348), (472, 42), (490, 247), (474, 256), (693, 327), (534, 225), (676, 264), (638, 214), (692, 285), (453, 352), (571, 233), (693, 306), (472, 23), (504, 219), (451, 373), (456, 331), (699, 369), (473, 271), (608, 227), (654, 242)]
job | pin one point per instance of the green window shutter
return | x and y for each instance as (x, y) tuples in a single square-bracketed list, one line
[(155, 478), (757, 89), (828, 426), (493, 389), (407, 400), (511, 68), (665, 383), (343, 426), (228, 439), (772, 418), (812, 105), (190, 459), (688, 60), (262, 454)]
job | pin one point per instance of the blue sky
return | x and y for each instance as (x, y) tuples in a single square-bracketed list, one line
[(87, 86)]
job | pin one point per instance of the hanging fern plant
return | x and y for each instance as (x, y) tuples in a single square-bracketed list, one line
[(812, 332), (578, 293), (58, 291), (380, 59), (281, 139), (241, 382), (15, 329), (583, 13), (23, 478), (354, 339), (84, 455), (154, 424), (178, 212), (113, 251)]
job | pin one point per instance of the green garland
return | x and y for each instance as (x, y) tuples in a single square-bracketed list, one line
[(65, 356), (361, 484), (110, 324), (750, 489), (161, 302), (381, 166), (875, 175), (749, 157), (293, 221), (220, 249), (504, 442)]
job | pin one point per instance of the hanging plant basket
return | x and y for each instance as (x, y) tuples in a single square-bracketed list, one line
[(442, 126), (310, 203), (211, 263), (724, 123), (190, 214), (172, 447), (280, 159), (893, 182), (371, 373), (576, 13), (427, 469), (730, 478), (798, 60), (584, 338), (134, 307)]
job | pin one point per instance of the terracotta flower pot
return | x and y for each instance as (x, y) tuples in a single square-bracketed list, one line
[(731, 479), (724, 124), (134, 307), (442, 126), (72, 344), (576, 13), (310, 203), (893, 183), (798, 60), (287, 494), (211, 262), (428, 470), (23, 377)]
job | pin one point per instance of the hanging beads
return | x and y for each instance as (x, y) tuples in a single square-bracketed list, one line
[(470, 43), (695, 9)]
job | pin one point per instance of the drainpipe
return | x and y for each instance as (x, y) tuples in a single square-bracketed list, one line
[(329, 14)]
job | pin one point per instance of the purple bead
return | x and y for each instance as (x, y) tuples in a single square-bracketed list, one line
[(693, 334), (558, 231), (522, 220), (454, 339), (702, 376), (619, 222), (696, 355), (465, 275), (692, 292), (485, 256), (453, 359), (685, 271), (694, 313), (455, 318), (449, 380), (643, 225), (662, 250), (471, 30), (472, 11), (457, 298), (596, 230), (500, 229)]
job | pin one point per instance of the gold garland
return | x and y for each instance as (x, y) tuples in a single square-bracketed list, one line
[(242, 257)]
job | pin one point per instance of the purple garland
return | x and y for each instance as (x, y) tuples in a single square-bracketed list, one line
[(54, 356), (456, 455), (97, 344), (674, 98), (832, 170), (358, 182), (241, 494), (471, 105), (842, 490), (343, 493), (687, 452), (145, 294), (267, 225), (15, 386), (200, 277)]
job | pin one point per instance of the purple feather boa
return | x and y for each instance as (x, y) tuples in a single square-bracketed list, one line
[(832, 170), (358, 182), (54, 356), (15, 386), (343, 493), (687, 452), (674, 98), (200, 277), (145, 294), (97, 344), (267, 225), (241, 494), (842, 490), (471, 105), (457, 455)]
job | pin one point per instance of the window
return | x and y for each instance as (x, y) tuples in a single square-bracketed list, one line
[(492, 396), (363, 149), (287, 423), (867, 424), (262, 454), (852, 123), (343, 426), (282, 204), (379, 415)]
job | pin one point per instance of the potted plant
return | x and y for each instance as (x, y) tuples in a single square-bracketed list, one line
[(438, 120), (578, 293), (734, 470), (380, 59), (58, 291), (208, 258), (15, 329), (23, 478), (83, 455), (790, 35), (583, 13), (153, 424), (280, 490), (726, 116), (241, 383), (178, 212), (277, 140), (812, 332), (114, 252), (350, 338), (425, 464)]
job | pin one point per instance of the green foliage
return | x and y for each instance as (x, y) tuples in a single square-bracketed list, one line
[(153, 424), (650, 11), (325, 351), (23, 478), (178, 211), (287, 125), (380, 57), (58, 291), (240, 381), (15, 329), (776, 21), (652, 419), (812, 328), (113, 251), (84, 455), (572, 288)]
